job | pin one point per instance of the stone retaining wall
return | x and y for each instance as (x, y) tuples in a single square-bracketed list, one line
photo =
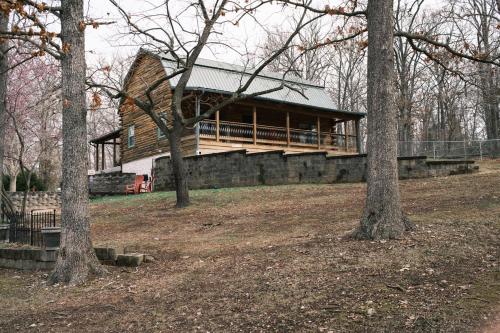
[(27, 259), (110, 183), (37, 200), (34, 259), (238, 168)]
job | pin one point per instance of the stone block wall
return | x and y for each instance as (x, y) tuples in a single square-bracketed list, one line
[(27, 259), (110, 183), (37, 200), (238, 168)]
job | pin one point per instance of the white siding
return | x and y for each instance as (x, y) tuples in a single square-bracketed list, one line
[(142, 166)]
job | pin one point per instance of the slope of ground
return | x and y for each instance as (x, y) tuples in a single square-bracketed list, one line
[(274, 259)]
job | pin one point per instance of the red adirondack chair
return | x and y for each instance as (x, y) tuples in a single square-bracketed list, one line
[(136, 187)]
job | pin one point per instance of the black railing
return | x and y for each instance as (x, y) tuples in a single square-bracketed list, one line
[(244, 132), (27, 228)]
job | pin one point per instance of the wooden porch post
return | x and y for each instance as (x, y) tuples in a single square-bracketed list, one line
[(358, 137), (197, 112), (217, 123), (346, 136), (288, 129), (319, 132), (103, 162), (114, 152), (254, 116), (96, 146)]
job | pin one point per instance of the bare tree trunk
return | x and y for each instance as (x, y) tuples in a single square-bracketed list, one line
[(47, 168), (4, 66), (179, 168), (77, 259), (48, 162), (383, 217), (13, 183), (490, 107), (27, 181), (489, 89)]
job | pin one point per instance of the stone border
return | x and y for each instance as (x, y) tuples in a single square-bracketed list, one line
[(33, 259)]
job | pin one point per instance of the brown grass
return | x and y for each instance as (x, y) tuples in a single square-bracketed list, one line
[(273, 259)]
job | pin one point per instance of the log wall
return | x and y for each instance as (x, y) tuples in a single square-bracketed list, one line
[(148, 70)]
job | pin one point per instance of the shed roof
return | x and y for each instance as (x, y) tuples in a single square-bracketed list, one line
[(115, 134)]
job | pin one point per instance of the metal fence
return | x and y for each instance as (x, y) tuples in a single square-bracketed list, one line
[(468, 149), (27, 228)]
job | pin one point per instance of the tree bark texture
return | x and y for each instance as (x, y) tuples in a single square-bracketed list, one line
[(382, 217), (77, 259), (179, 167), (490, 108), (489, 89), (4, 66)]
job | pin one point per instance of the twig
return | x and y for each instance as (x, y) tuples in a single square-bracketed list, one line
[(478, 299), (395, 286)]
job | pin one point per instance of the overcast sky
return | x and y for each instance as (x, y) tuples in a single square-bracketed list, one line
[(107, 41)]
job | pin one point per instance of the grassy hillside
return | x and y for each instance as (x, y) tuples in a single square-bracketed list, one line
[(275, 259)]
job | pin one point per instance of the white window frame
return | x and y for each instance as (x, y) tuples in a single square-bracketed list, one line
[(131, 136)]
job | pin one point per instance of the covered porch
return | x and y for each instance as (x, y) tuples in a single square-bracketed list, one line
[(107, 151), (260, 128)]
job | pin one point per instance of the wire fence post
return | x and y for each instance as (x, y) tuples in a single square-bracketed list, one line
[(480, 150), (434, 149), (32, 227)]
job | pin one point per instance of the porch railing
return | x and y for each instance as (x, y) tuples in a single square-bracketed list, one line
[(244, 133)]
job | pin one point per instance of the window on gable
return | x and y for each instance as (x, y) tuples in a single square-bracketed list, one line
[(131, 136)]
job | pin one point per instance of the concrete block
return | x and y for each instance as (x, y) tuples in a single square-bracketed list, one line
[(48, 255), (107, 254), (130, 259)]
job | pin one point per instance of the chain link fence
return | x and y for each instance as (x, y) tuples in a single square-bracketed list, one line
[(468, 149)]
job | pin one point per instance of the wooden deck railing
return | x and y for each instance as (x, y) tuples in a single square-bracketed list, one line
[(272, 135)]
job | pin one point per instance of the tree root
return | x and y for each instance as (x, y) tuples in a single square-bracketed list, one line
[(76, 268), (372, 227)]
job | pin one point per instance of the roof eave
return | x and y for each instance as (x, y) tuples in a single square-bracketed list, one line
[(107, 136), (358, 114)]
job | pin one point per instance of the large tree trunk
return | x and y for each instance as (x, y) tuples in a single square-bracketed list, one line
[(77, 259), (383, 218), (489, 89), (4, 66), (179, 167), (491, 110)]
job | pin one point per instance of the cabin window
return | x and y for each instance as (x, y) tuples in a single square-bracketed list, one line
[(159, 133), (131, 136)]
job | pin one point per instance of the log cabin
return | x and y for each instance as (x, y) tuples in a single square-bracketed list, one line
[(298, 120)]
